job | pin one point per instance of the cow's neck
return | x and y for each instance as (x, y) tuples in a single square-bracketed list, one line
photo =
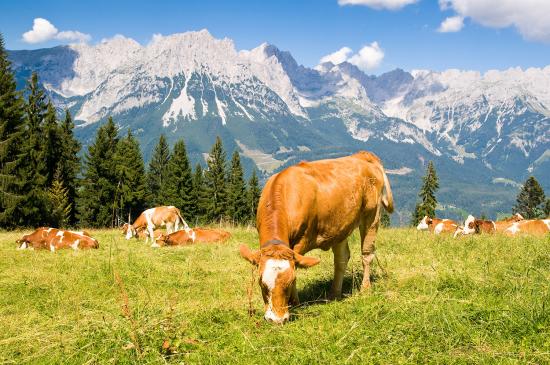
[(274, 233)]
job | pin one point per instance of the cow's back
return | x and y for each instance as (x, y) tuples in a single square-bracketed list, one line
[(323, 199)]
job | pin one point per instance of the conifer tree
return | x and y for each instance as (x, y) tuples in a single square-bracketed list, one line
[(157, 176), (428, 202), (180, 181), (69, 164), (253, 196), (530, 202), (547, 208), (53, 142), (130, 174), (237, 208), (200, 194), (59, 200), (99, 185), (215, 182), (11, 126)]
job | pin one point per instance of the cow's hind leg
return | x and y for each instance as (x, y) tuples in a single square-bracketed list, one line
[(368, 228), (341, 258)]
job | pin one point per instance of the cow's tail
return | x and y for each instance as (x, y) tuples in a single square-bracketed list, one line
[(387, 196), (185, 225)]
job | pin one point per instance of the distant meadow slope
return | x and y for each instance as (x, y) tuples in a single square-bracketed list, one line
[(477, 299)]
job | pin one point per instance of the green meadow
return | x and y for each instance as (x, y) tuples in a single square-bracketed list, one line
[(482, 299)]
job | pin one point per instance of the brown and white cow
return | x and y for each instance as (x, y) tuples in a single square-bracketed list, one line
[(436, 225), (316, 205), (503, 224), (530, 227), (165, 216), (54, 239), (473, 225), (142, 232), (195, 235)]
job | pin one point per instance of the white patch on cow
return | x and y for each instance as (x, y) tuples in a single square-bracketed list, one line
[(467, 229), (439, 228), (514, 228), (422, 225), (272, 269), (519, 216), (155, 245), (130, 232), (49, 230), (193, 235), (60, 234), (52, 248), (75, 245), (271, 316), (547, 222), (459, 230), (23, 246)]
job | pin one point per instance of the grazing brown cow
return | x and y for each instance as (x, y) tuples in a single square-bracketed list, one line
[(142, 232), (169, 216), (531, 227), (316, 205), (55, 239), (503, 224), (196, 235), (436, 225)]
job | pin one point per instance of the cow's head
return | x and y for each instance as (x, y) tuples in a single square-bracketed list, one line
[(22, 243), (424, 223), (130, 231), (277, 268), (125, 228), (471, 225)]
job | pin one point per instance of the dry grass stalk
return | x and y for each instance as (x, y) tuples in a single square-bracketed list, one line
[(128, 314)]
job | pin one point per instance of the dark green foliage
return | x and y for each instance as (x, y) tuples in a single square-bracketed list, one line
[(59, 201), (531, 201), (69, 164), (237, 208), (180, 181), (157, 176), (215, 182), (200, 195), (53, 143), (131, 193), (11, 125), (253, 196), (385, 218), (428, 202), (547, 208), (97, 199)]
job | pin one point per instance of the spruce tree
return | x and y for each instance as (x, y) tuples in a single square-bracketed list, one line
[(547, 208), (11, 126), (237, 208), (428, 202), (53, 143), (215, 181), (157, 176), (131, 180), (99, 185), (253, 196), (200, 194), (180, 181), (59, 200), (69, 164), (530, 202)]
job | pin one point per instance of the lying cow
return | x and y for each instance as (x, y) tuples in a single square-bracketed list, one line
[(530, 227), (196, 235), (436, 225), (316, 205), (169, 217), (503, 224), (473, 225), (54, 239)]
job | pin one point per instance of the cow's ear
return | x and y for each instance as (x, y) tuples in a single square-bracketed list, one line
[(251, 256), (304, 261)]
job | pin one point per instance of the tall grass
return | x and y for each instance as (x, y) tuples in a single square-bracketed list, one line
[(482, 299)]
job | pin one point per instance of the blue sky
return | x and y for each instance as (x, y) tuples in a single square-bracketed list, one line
[(482, 34)]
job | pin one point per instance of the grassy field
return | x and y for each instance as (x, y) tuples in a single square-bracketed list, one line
[(484, 299)]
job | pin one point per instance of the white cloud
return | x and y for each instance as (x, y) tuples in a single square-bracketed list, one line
[(368, 57), (337, 57), (529, 17), (379, 4), (451, 24), (43, 31)]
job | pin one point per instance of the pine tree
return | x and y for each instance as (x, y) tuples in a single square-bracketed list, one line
[(180, 181), (130, 174), (53, 143), (428, 202), (385, 220), (530, 202), (253, 196), (97, 199), (547, 208), (69, 164), (157, 176), (11, 127), (34, 208), (59, 200), (200, 194), (237, 208), (215, 183)]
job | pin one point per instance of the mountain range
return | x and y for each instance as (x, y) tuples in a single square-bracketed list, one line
[(486, 133)]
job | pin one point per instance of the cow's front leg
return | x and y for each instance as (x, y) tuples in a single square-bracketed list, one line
[(151, 230), (341, 258)]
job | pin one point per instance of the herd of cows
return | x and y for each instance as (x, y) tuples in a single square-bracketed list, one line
[(311, 205)]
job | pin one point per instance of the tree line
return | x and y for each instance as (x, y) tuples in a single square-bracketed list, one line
[(44, 182), (531, 201)]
